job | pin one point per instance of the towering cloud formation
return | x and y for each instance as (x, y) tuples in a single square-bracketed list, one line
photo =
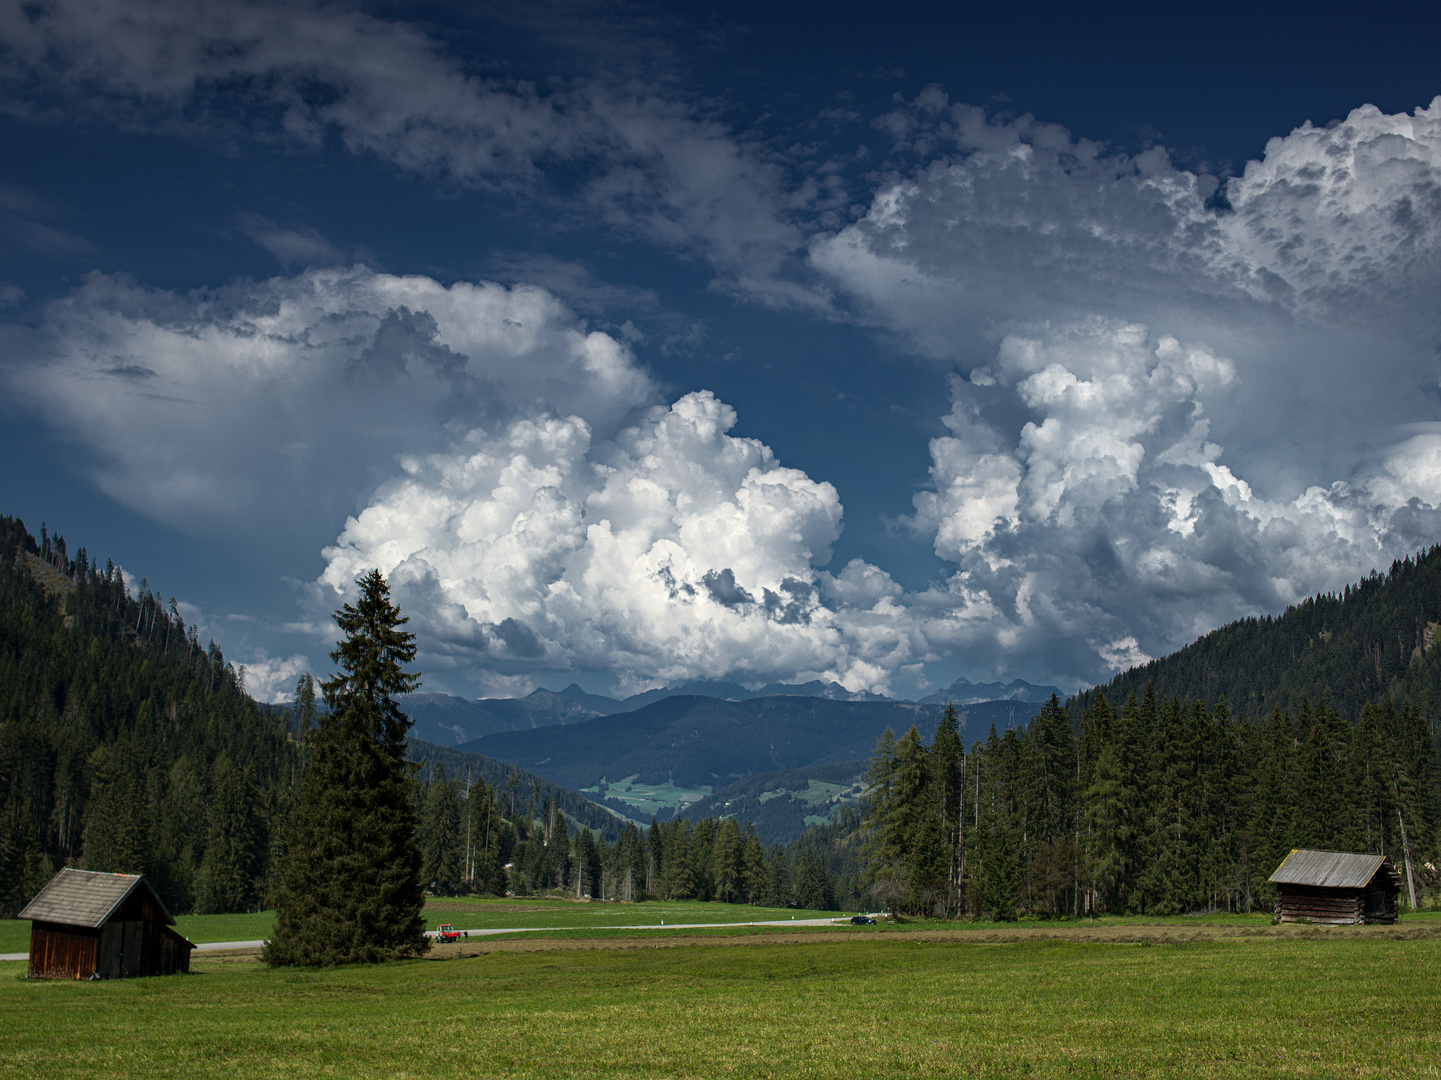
[(1202, 401), (677, 550), (1110, 526)]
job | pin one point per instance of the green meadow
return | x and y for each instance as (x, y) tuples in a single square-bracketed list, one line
[(1223, 1002), (573, 919), (475, 914), (648, 799)]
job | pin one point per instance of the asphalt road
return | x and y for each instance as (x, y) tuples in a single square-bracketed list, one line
[(210, 946)]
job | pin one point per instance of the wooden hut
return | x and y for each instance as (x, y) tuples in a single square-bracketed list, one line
[(87, 925), (1336, 887)]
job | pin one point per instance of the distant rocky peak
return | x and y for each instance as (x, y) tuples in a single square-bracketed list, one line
[(965, 692)]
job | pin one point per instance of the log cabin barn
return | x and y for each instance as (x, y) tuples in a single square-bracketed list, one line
[(1336, 887), (87, 925)]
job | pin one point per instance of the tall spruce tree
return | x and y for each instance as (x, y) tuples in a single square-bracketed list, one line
[(350, 889), (231, 874), (442, 837), (948, 772)]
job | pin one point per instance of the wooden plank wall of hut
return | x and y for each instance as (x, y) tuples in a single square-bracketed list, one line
[(61, 952), (174, 953), (129, 948), (1337, 906), (1388, 910)]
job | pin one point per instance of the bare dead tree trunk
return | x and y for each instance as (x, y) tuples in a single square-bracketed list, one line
[(1406, 855)]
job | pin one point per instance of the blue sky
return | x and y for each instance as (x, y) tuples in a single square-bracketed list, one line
[(639, 343)]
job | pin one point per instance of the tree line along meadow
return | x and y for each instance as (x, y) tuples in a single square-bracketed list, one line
[(125, 745)]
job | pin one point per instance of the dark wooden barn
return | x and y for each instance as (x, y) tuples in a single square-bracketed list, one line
[(1336, 887), (87, 925)]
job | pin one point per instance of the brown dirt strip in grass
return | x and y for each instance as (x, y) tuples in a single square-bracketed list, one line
[(1138, 935), (1112, 935), (1130, 935)]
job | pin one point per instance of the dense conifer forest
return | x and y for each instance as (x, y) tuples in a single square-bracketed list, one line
[(126, 744), (1181, 784), (1160, 806), (497, 839)]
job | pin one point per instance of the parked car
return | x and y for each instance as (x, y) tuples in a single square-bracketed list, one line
[(862, 920)]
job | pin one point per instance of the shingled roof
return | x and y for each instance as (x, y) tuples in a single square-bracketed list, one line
[(86, 898), (1329, 869)]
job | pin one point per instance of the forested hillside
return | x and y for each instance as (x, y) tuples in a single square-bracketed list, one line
[(782, 804), (607, 818), (1374, 639), (125, 744)]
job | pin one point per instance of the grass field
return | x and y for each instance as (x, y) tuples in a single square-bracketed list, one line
[(471, 914), (1224, 1001), (647, 799)]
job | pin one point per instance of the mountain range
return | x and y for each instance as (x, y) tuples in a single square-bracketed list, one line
[(965, 692), (452, 721)]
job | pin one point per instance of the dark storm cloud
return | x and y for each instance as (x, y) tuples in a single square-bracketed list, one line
[(405, 338), (722, 587)]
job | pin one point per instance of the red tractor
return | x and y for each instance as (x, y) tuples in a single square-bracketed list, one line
[(446, 933)]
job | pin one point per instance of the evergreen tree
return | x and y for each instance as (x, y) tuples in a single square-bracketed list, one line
[(999, 898), (727, 862), (948, 772), (778, 879), (813, 888), (350, 889), (442, 860), (702, 848), (485, 840), (1105, 832), (753, 866), (678, 873), (232, 871), (304, 704)]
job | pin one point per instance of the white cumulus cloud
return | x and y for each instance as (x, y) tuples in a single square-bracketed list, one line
[(1106, 526), (675, 550), (272, 679)]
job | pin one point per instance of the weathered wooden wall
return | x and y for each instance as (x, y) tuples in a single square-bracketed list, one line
[(1347, 907), (62, 952)]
